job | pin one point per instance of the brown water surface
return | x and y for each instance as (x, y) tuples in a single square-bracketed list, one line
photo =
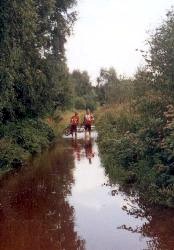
[(64, 200)]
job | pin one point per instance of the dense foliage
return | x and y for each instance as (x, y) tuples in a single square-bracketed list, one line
[(32, 65), (136, 138), (34, 79), (84, 92), (112, 89)]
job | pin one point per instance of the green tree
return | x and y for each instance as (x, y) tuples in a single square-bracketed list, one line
[(84, 92), (81, 82), (31, 56), (143, 82), (107, 86), (160, 58)]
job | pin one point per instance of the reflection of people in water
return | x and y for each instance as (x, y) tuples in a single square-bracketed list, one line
[(77, 148), (88, 150)]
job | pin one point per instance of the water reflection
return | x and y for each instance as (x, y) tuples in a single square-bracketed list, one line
[(158, 227), (83, 148), (34, 211), (88, 150), (109, 216), (64, 200)]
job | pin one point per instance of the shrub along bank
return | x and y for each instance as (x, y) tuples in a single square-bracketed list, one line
[(19, 140), (137, 149)]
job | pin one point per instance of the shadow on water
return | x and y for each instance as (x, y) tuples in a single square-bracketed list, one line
[(64, 200)]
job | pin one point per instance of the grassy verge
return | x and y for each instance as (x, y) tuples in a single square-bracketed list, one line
[(138, 150)]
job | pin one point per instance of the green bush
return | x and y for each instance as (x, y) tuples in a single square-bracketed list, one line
[(142, 148), (23, 138), (150, 106), (91, 104), (79, 103), (11, 153)]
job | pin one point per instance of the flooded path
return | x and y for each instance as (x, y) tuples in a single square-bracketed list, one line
[(64, 200)]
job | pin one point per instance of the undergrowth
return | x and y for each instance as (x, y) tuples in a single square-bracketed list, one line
[(18, 140), (137, 147)]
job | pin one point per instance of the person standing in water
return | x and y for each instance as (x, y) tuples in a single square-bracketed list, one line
[(74, 123), (88, 120)]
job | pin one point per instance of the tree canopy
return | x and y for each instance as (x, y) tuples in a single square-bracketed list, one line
[(33, 72)]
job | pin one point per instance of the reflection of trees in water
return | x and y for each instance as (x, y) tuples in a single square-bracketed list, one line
[(35, 213), (159, 221)]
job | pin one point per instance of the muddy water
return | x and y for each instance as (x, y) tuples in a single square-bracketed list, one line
[(64, 200)]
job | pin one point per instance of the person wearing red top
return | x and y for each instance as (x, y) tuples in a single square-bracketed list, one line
[(74, 123), (88, 120)]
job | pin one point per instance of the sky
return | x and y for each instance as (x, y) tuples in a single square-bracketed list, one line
[(108, 32)]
